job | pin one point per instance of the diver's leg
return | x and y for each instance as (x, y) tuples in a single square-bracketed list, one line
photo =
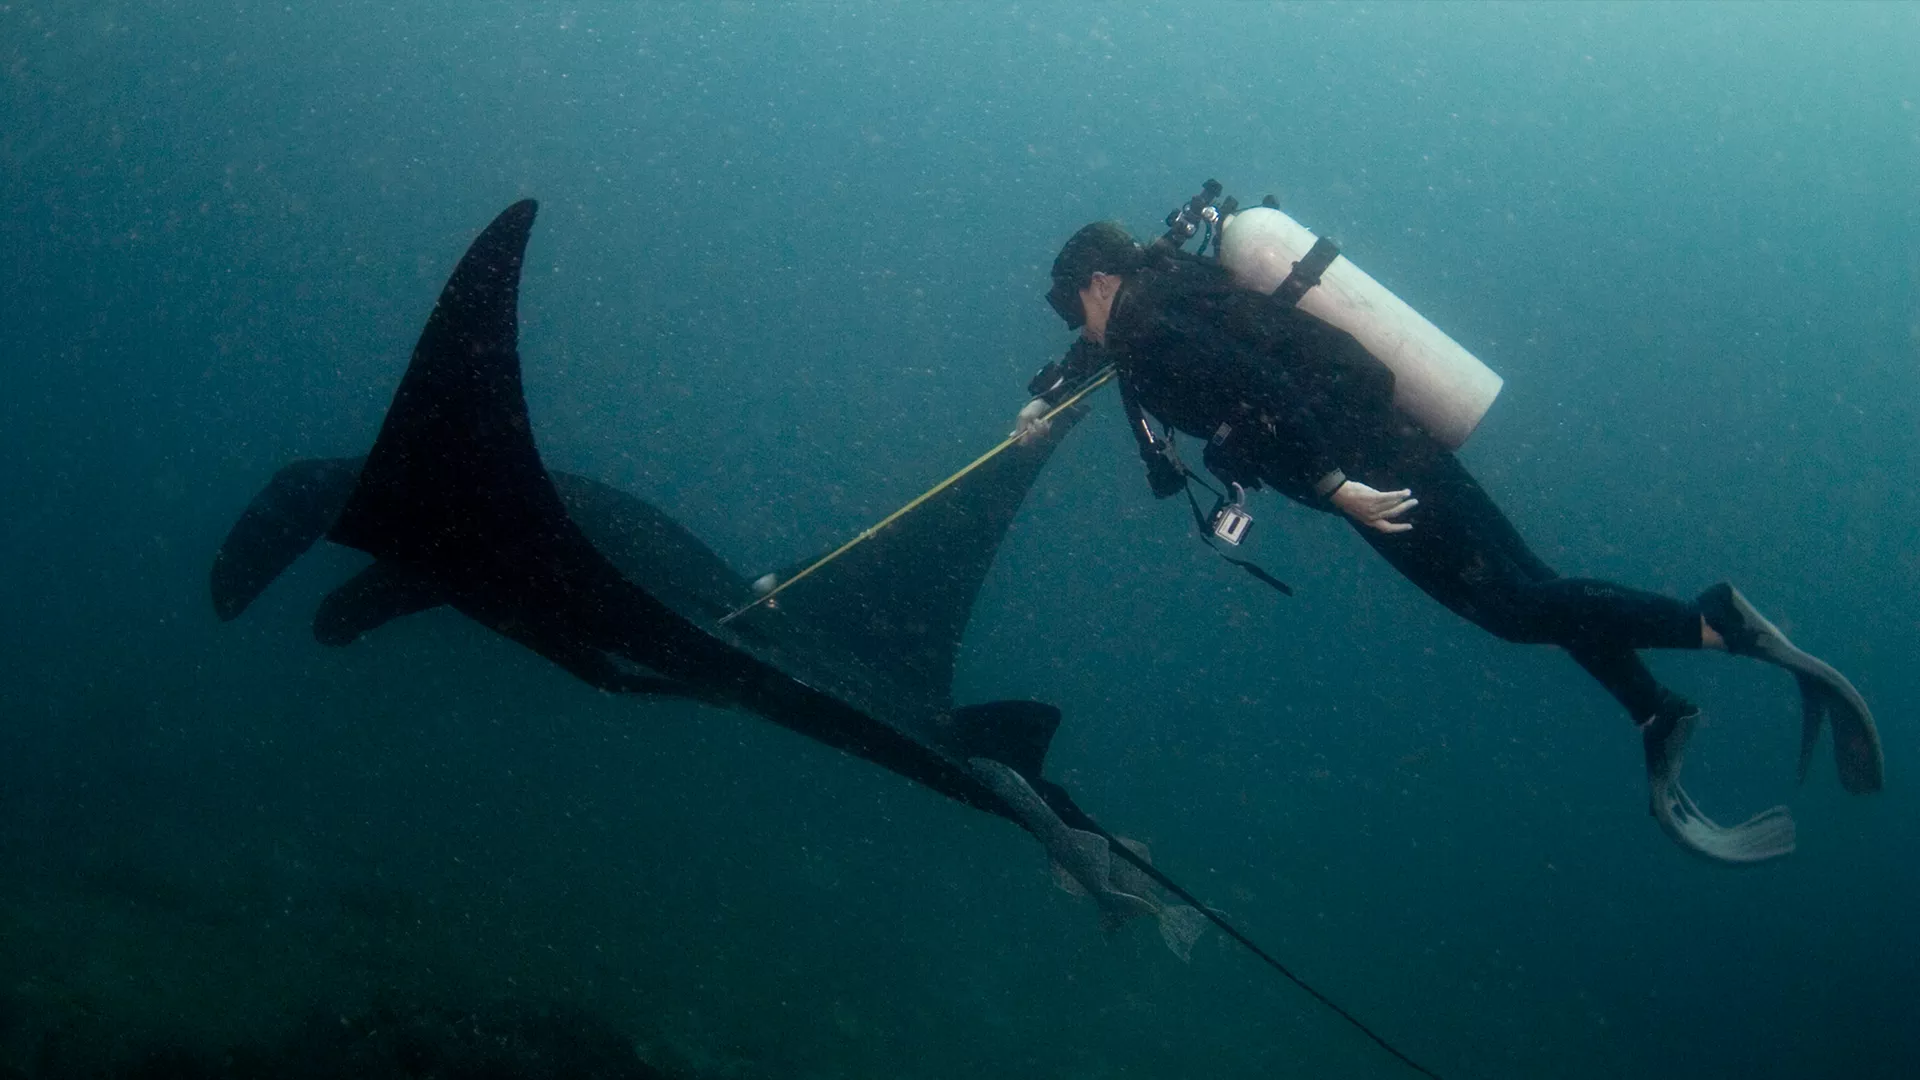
[(1625, 676), (1473, 560), (1464, 552), (1577, 613), (1618, 669)]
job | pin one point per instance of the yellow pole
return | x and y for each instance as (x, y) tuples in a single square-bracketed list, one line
[(868, 533)]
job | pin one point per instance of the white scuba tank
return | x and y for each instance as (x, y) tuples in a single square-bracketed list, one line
[(1441, 385)]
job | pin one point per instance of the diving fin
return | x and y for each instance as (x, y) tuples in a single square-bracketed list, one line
[(1823, 690), (1767, 835), (1813, 715)]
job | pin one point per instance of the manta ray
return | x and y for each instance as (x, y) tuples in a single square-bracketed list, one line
[(457, 509)]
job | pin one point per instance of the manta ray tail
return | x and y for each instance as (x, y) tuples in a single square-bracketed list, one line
[(1005, 744), (1184, 925)]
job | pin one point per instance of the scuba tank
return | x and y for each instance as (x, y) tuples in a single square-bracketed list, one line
[(1442, 386)]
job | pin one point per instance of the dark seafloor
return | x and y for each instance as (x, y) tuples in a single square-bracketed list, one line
[(788, 272)]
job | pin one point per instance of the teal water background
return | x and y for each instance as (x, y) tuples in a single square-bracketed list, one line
[(787, 272)]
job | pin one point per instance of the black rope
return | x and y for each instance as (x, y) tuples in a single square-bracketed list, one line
[(1246, 942)]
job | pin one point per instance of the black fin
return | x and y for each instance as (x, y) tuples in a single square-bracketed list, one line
[(1813, 715), (903, 598), (1013, 733), (650, 548), (611, 673), (371, 599), (455, 468), (279, 525), (454, 490)]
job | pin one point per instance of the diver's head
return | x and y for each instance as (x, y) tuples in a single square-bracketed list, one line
[(1088, 273)]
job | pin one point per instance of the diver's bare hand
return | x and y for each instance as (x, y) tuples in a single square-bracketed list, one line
[(1375, 509), (1031, 425)]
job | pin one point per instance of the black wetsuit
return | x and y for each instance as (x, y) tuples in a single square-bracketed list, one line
[(1288, 400)]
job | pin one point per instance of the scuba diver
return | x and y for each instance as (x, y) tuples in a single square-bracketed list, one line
[(1284, 399)]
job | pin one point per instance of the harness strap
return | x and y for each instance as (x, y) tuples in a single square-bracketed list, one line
[(1306, 273), (1137, 420)]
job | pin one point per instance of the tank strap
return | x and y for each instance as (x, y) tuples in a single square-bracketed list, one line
[(1306, 273)]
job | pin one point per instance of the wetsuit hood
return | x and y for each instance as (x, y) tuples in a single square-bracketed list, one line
[(1101, 247)]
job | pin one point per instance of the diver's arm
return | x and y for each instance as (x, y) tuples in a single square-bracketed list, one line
[(1309, 405), (1310, 375), (1367, 386), (1330, 484), (1316, 471)]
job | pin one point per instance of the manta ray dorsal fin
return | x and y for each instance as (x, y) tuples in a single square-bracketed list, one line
[(455, 468)]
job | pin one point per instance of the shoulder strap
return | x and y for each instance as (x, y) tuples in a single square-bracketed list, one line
[(1137, 420)]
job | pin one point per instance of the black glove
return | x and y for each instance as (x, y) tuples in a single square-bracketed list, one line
[(1046, 380), (1055, 381), (1165, 475)]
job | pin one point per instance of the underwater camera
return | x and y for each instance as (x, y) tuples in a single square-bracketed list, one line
[(1230, 519)]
